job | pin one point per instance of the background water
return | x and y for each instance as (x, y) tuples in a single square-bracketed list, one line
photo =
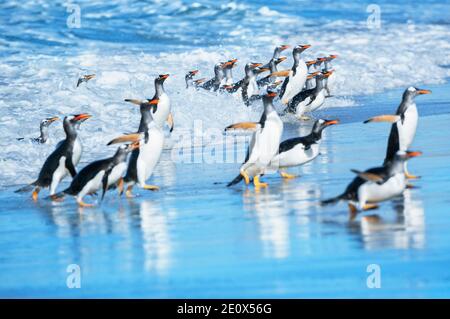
[(195, 238)]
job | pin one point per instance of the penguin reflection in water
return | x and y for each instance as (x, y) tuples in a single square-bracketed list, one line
[(376, 184), (62, 161), (101, 174)]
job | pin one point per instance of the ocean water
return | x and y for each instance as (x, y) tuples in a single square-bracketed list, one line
[(195, 238)]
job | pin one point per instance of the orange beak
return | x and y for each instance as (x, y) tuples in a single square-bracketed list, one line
[(271, 94), (333, 56), (284, 47), (281, 59), (255, 65), (53, 119), (164, 76), (305, 46), (82, 117), (327, 74), (194, 72), (423, 92), (153, 101), (311, 62), (412, 154), (331, 122)]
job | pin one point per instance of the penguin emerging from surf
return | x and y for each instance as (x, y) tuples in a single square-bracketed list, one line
[(101, 174), (404, 125), (144, 159), (189, 79), (375, 185), (43, 127), (85, 79), (62, 161), (300, 150)]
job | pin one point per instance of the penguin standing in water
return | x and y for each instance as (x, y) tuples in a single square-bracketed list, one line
[(263, 146), (249, 87), (404, 125), (144, 159), (62, 161), (189, 79), (376, 184), (273, 68), (296, 77), (100, 174), (43, 127), (228, 72), (329, 68), (276, 54), (214, 83), (309, 100), (300, 150)]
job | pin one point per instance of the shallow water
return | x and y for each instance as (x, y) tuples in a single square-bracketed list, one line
[(195, 237)]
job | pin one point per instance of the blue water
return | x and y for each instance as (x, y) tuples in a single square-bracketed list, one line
[(195, 238)]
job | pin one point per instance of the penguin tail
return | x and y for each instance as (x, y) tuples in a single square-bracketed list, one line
[(236, 180), (333, 200), (27, 188)]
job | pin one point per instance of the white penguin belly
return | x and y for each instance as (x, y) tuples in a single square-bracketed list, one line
[(59, 173), (252, 88), (270, 139), (92, 186), (296, 156), (317, 103), (162, 110), (407, 129), (76, 152), (116, 173), (373, 192), (296, 83), (149, 154)]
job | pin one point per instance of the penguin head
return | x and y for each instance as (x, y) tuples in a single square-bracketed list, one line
[(161, 78), (46, 122), (300, 48), (406, 155), (72, 122), (191, 74), (280, 59), (321, 124), (282, 47), (412, 92)]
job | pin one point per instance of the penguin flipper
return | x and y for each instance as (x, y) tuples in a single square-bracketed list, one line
[(370, 177), (105, 184), (70, 167)]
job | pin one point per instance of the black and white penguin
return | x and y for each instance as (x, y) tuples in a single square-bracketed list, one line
[(249, 87), (228, 72), (276, 54), (310, 82), (327, 68), (214, 83), (43, 127), (376, 184), (62, 161), (189, 79), (296, 77), (162, 113), (85, 78), (273, 68), (263, 146), (300, 150), (100, 174), (144, 159), (404, 124)]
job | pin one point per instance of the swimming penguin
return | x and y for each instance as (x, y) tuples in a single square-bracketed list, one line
[(144, 159), (189, 78), (228, 72), (263, 146), (296, 77), (404, 124), (309, 100), (85, 78), (214, 83), (376, 184), (300, 150), (100, 174), (327, 68), (62, 161), (43, 127)]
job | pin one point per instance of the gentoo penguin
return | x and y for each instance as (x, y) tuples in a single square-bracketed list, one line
[(404, 124), (228, 72), (162, 112), (43, 127), (249, 87), (309, 100), (296, 77), (189, 78), (276, 54), (326, 68), (263, 146), (376, 184), (63, 159), (100, 174), (273, 67), (310, 81), (85, 78), (300, 150), (214, 83), (144, 159)]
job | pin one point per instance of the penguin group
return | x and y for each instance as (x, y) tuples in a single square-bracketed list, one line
[(300, 90)]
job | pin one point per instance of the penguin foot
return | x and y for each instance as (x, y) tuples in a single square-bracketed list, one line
[(287, 175), (410, 176), (257, 183), (352, 211), (246, 178), (120, 186), (151, 187), (370, 206), (128, 193), (83, 204), (35, 194), (56, 198)]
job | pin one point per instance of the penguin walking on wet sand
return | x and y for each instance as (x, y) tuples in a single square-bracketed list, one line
[(144, 159), (376, 184), (100, 174), (404, 125), (300, 150), (43, 127), (62, 161), (263, 146)]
